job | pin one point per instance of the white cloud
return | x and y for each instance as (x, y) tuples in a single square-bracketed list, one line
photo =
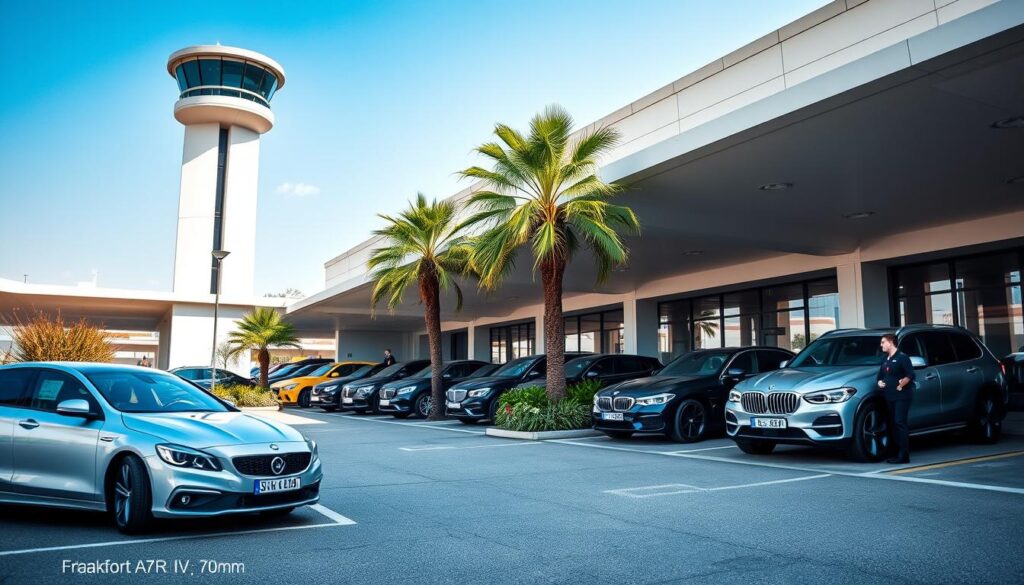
[(298, 189)]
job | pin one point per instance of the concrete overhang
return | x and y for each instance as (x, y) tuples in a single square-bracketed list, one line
[(903, 133)]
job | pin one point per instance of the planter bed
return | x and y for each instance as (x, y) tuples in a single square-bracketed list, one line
[(541, 435)]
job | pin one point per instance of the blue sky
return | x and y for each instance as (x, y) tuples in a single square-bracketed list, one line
[(383, 99)]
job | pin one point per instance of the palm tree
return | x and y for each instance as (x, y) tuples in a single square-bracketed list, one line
[(258, 331), (543, 190), (423, 246)]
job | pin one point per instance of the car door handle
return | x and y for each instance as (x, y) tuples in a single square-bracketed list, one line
[(973, 369), (28, 424), (930, 377)]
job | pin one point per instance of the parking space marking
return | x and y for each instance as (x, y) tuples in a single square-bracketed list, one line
[(704, 449), (336, 520), (653, 491), (958, 484), (448, 448), (421, 425), (774, 482), (953, 463)]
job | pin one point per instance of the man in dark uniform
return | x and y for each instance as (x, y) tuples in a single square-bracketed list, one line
[(896, 378), (389, 359)]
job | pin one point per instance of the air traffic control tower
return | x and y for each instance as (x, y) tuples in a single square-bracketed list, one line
[(225, 107)]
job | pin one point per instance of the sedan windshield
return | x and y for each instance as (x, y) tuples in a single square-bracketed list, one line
[(321, 371), (390, 370), (424, 373), (697, 363), (514, 368), (361, 372), (130, 391), (848, 350)]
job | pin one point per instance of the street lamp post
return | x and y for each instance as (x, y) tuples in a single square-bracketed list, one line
[(218, 257)]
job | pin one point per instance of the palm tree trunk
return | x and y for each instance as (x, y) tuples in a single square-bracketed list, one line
[(263, 355), (431, 297), (551, 272)]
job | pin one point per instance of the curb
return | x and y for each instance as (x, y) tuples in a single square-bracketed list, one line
[(541, 435)]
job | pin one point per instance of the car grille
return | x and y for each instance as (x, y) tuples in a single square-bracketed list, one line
[(773, 403), (260, 464), (388, 393), (604, 403), (624, 402), (456, 395), (348, 392)]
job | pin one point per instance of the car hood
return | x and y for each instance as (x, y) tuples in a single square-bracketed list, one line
[(486, 382), (645, 386), (404, 382), (210, 429), (813, 379), (374, 381)]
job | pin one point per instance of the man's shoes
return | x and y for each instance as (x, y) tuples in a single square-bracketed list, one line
[(898, 460)]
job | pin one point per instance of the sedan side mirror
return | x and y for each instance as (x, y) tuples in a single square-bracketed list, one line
[(334, 374), (735, 373), (535, 374), (75, 407), (918, 361), (783, 363), (592, 374)]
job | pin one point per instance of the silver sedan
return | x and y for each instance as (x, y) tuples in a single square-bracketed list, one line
[(140, 444)]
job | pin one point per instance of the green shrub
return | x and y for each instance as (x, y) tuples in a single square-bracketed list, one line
[(561, 416), (246, 395), (583, 392), (534, 396)]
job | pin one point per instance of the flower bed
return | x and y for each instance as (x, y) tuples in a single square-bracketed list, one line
[(530, 410)]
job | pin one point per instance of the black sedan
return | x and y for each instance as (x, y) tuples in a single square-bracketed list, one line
[(686, 399), (362, 396), (476, 399), (327, 395), (605, 369), (411, 396)]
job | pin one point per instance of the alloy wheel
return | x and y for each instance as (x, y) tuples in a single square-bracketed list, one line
[(986, 423), (875, 433), (123, 495), (426, 406), (692, 419)]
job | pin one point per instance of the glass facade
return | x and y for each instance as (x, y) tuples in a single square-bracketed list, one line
[(600, 332), (509, 342), (226, 76), (785, 315), (981, 293)]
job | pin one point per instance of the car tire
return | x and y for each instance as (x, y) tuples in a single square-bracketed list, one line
[(621, 435), (277, 513), (986, 424), (492, 411), (690, 422), (303, 399), (130, 496), (870, 440), (423, 405), (755, 447)]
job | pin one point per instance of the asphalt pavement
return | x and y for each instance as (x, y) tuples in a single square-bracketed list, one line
[(417, 502)]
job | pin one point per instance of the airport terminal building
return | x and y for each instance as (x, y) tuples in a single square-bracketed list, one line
[(861, 166)]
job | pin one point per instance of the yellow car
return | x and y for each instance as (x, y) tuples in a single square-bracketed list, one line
[(296, 390)]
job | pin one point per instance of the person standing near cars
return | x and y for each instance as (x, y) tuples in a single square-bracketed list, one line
[(896, 378), (389, 359)]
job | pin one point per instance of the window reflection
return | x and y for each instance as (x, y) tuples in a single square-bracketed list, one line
[(234, 78)]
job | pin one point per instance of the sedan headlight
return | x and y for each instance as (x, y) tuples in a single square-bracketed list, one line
[(735, 396), (312, 447), (831, 396), (365, 390), (655, 399), (406, 390), (289, 386), (179, 456), (478, 392)]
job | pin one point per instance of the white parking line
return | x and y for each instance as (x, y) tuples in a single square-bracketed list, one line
[(673, 489), (447, 448), (336, 520), (421, 425), (703, 449)]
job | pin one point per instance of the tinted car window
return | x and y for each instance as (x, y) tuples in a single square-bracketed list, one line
[(52, 387), (603, 367), (697, 363), (859, 350), (463, 370), (321, 371), (188, 374), (745, 361), (514, 368), (630, 364), (347, 369), (768, 361), (938, 348), (485, 370), (965, 347), (575, 368), (13, 383)]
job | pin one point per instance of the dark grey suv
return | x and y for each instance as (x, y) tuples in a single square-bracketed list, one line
[(828, 394)]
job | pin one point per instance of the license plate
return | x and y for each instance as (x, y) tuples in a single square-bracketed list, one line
[(283, 484), (346, 401), (611, 415), (768, 423), (385, 402), (453, 404)]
